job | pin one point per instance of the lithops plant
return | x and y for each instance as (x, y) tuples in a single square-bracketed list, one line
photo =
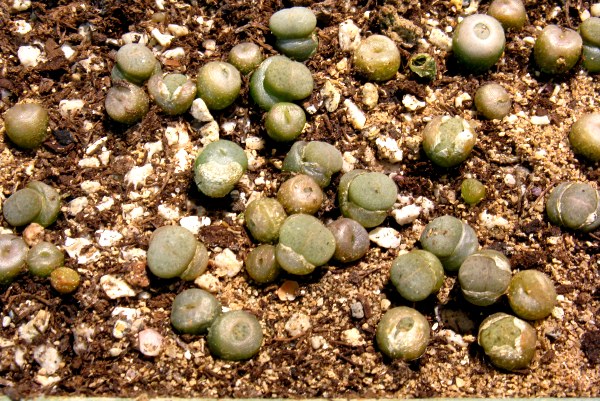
[(174, 93), (478, 42), (450, 239), (403, 333), (557, 49), (36, 203), (235, 335), (26, 125), (510, 13), (294, 29), (285, 121), (43, 258), (423, 65), (417, 274), (245, 56), (377, 58), (590, 34), (531, 295), (219, 167), (194, 310), (126, 103), (218, 84), (13, 256), (492, 101), (317, 159), (448, 141), (261, 264), (574, 205), (472, 191), (300, 194), (135, 63), (584, 136), (263, 218), (351, 239), (484, 277), (65, 280)]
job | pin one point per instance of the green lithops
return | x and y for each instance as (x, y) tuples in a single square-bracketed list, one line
[(13, 257), (574, 205), (531, 295), (258, 93), (261, 264), (43, 258), (218, 84), (126, 103), (557, 49), (508, 341), (403, 333), (423, 65), (317, 159), (304, 244), (484, 277), (492, 101), (366, 196), (36, 203), (174, 93), (300, 194), (478, 42), (450, 239), (219, 167), (510, 13), (263, 218), (26, 125), (590, 34), (135, 63), (351, 239), (234, 336), (245, 56), (51, 203), (294, 29), (285, 121), (584, 136), (194, 310), (65, 280), (417, 274), (448, 141), (174, 251), (377, 58), (472, 191)]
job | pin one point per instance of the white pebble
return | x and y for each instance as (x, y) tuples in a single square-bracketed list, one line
[(510, 180), (35, 327), (370, 95), (349, 36), (356, 116), (90, 187), (134, 37), (331, 96), (595, 10), (406, 214), (255, 143), (460, 99), (137, 175), (540, 120), (491, 221), (297, 325), (150, 342), (29, 56), (22, 27), (68, 107), (386, 237), (178, 30), (440, 39), (108, 237), (168, 212), (200, 111), (227, 264), (89, 162), (388, 149), (21, 5), (115, 287), (209, 283), (176, 53), (48, 358), (76, 206), (353, 337), (317, 342), (163, 39), (412, 103)]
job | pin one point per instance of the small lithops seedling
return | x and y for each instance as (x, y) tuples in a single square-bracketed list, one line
[(36, 203), (174, 93), (472, 191), (478, 42), (245, 56), (126, 103), (574, 205), (174, 251), (492, 101), (194, 310), (351, 239), (218, 84), (259, 94), (484, 277), (304, 244), (366, 196), (590, 34), (65, 280), (557, 49), (531, 295), (448, 141), (510, 13), (13, 256), (423, 65), (403, 333), (26, 125), (450, 239), (218, 167), (288, 80), (294, 29), (300, 194), (508, 341), (261, 264), (585, 136), (417, 274), (43, 258), (263, 218), (377, 58), (317, 159), (235, 335), (135, 63), (285, 121)]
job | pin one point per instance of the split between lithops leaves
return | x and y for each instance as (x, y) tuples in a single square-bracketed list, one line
[(174, 251), (174, 93), (37, 203), (294, 29), (319, 160)]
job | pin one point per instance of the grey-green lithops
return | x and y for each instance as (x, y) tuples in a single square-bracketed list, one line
[(43, 258), (126, 103), (259, 94), (218, 84), (304, 244), (423, 65), (448, 141), (351, 239), (508, 341), (531, 295), (285, 121), (300, 194), (174, 93), (403, 333), (317, 159), (366, 196), (478, 42), (484, 277), (261, 264), (584, 136), (263, 218), (65, 280), (194, 310), (288, 80), (557, 49), (450, 239), (245, 56), (574, 205), (219, 167), (492, 101), (294, 29), (510, 13), (135, 63), (235, 335), (13, 256), (590, 34), (26, 125), (377, 58), (417, 274), (36, 203), (174, 251), (472, 191)]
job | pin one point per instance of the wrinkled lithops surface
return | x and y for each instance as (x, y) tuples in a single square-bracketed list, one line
[(119, 184)]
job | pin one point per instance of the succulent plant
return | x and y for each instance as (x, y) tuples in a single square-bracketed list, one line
[(135, 63), (423, 65), (288, 80), (492, 101), (585, 136), (36, 203), (294, 29), (218, 167), (478, 42), (245, 56), (194, 310), (218, 84), (484, 277), (403, 333), (26, 125), (557, 49), (417, 274), (304, 244), (574, 205), (235, 335), (472, 191), (126, 103), (300, 194), (510, 13), (43, 258), (590, 35), (351, 239), (366, 196), (450, 239), (508, 341), (261, 264), (263, 218), (259, 94), (174, 251), (174, 93), (65, 280), (317, 159), (448, 141), (285, 121), (377, 58), (590, 57), (13, 256), (299, 49), (531, 295)]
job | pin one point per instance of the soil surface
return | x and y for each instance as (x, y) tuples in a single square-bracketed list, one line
[(119, 183)]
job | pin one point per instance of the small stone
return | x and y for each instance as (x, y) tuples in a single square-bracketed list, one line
[(227, 264), (208, 282), (356, 116), (77, 205), (119, 329), (35, 327), (82, 338), (386, 237), (357, 310), (412, 103), (33, 234), (595, 10), (297, 325), (115, 287), (21, 5), (178, 30), (163, 39), (22, 27), (389, 149), (540, 120), (137, 175), (317, 342), (370, 95), (331, 96), (150, 342), (439, 39), (349, 36), (353, 337), (48, 358), (107, 238), (288, 290), (29, 56), (69, 107), (406, 214)]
